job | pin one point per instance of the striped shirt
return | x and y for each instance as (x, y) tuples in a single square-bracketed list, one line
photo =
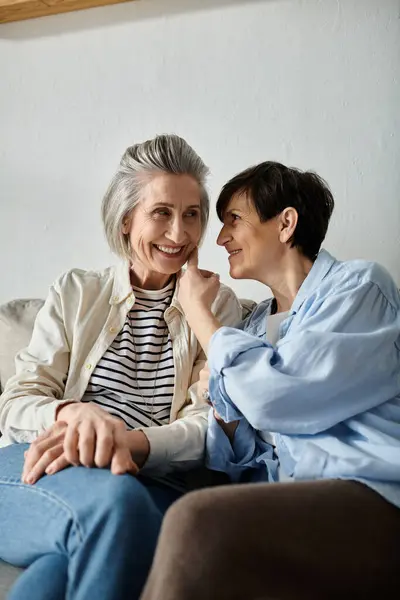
[(134, 380)]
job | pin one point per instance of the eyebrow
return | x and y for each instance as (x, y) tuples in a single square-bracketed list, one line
[(170, 205)]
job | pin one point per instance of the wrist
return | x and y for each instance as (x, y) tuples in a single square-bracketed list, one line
[(196, 310), (64, 411), (139, 446), (204, 328), (228, 428)]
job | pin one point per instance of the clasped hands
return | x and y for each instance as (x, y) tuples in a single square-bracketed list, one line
[(85, 434)]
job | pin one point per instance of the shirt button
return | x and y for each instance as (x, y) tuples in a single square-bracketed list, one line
[(113, 329), (115, 298), (88, 366)]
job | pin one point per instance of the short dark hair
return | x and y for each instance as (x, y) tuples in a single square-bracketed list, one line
[(272, 187)]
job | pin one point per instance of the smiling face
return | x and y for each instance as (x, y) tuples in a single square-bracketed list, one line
[(164, 227), (255, 248)]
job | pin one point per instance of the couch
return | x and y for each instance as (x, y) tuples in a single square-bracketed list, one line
[(16, 323)]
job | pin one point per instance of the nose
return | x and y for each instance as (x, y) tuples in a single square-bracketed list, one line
[(176, 232), (224, 236)]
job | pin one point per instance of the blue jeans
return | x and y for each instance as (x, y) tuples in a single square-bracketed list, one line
[(82, 533)]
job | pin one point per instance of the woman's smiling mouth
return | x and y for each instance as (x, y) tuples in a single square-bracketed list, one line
[(170, 251)]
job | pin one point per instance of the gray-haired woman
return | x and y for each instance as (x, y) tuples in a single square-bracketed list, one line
[(107, 386)]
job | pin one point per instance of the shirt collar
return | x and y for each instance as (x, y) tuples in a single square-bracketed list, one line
[(122, 287), (321, 267)]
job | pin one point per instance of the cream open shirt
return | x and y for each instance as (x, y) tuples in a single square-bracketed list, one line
[(82, 315)]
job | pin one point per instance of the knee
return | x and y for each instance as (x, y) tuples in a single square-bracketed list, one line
[(125, 492), (190, 531), (122, 498), (191, 516)]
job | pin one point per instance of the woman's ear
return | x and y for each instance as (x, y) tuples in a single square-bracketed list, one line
[(288, 223), (126, 225)]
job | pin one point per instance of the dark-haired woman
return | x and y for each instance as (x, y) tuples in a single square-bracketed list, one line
[(306, 398)]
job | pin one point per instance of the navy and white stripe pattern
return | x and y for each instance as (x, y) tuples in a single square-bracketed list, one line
[(113, 384)]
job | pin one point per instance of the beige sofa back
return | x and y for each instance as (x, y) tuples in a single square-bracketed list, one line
[(16, 324)]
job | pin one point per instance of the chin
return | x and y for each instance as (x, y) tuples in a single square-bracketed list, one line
[(169, 271), (236, 274), (172, 270)]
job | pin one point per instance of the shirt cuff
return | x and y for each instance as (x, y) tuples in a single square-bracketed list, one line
[(231, 458), (220, 399), (49, 410), (158, 454)]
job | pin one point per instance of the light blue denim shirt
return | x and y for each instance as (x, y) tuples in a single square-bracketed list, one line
[(329, 389)]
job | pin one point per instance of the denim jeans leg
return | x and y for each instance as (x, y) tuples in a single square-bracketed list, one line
[(106, 525), (45, 579)]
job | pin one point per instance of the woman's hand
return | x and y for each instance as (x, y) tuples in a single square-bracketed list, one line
[(95, 438), (197, 291), (45, 454), (204, 377), (197, 287)]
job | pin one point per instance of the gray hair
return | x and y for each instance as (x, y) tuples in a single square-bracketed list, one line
[(164, 153)]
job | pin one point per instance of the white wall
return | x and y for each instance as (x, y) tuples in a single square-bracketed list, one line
[(314, 84)]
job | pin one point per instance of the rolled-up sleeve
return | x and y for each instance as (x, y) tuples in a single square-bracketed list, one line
[(246, 451), (31, 397), (339, 361)]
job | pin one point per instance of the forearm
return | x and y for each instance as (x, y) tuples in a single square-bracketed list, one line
[(307, 384), (203, 323), (31, 396), (24, 417)]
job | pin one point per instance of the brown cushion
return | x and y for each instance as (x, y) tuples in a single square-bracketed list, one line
[(16, 324)]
